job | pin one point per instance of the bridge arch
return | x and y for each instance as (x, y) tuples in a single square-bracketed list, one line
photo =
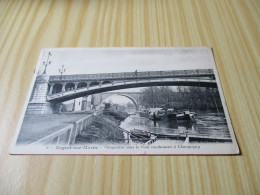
[(69, 86), (132, 84), (94, 83), (57, 88), (82, 85), (106, 82), (127, 96)]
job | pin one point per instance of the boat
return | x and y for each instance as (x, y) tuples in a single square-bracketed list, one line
[(171, 113), (156, 113), (140, 135), (180, 115), (186, 115), (143, 113)]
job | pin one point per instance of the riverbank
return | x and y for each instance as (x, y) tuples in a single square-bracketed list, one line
[(104, 128)]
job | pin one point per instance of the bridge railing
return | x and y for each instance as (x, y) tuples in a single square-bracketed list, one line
[(66, 135), (61, 137), (148, 74), (127, 75)]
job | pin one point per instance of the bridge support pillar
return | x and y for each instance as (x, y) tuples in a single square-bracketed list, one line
[(38, 103), (63, 87), (51, 89)]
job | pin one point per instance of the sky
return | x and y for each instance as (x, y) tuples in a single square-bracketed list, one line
[(112, 60)]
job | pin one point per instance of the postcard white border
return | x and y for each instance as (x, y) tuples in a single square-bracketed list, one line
[(205, 148)]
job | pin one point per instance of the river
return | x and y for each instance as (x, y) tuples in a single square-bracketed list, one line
[(208, 124)]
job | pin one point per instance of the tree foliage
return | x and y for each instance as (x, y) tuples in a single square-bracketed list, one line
[(184, 97)]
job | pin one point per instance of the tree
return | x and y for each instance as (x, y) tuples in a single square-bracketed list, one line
[(185, 98)]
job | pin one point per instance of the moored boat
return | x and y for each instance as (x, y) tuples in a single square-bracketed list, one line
[(171, 113), (143, 113), (186, 115), (140, 135), (156, 113)]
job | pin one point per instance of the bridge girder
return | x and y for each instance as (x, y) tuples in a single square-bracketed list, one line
[(68, 95)]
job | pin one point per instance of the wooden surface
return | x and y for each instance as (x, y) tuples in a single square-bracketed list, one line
[(231, 27)]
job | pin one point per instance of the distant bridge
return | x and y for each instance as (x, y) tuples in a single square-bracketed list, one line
[(134, 97), (50, 90)]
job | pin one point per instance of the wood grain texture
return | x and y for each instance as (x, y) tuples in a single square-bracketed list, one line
[(231, 28)]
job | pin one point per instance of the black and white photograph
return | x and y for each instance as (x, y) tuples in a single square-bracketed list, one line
[(129, 101)]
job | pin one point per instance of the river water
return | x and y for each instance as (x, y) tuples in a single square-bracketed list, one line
[(208, 124)]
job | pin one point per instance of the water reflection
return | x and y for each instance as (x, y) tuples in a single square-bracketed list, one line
[(210, 124)]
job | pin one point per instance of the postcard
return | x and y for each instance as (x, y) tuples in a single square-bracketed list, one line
[(125, 101)]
